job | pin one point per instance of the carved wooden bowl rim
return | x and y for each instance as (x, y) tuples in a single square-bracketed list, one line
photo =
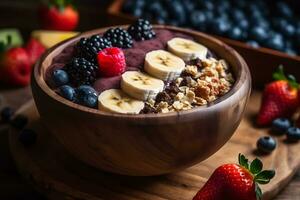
[(41, 66)]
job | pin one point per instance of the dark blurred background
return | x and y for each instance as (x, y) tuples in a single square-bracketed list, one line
[(22, 14)]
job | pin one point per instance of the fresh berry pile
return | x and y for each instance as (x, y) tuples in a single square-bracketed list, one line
[(94, 57), (279, 105), (141, 30), (88, 48), (119, 38), (275, 25), (81, 71), (16, 62)]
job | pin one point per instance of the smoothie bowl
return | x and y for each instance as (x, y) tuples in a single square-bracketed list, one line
[(147, 101)]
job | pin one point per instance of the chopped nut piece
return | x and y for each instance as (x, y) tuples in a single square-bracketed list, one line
[(178, 81), (192, 70), (200, 101), (190, 96), (201, 82), (179, 96), (178, 105)]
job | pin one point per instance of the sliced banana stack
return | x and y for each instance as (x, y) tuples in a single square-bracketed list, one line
[(116, 101), (141, 86), (163, 65), (187, 49)]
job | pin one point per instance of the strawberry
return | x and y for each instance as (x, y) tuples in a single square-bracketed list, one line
[(236, 181), (280, 98), (111, 62), (34, 49), (15, 66), (59, 15)]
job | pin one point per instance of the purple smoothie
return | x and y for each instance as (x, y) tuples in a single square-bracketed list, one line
[(134, 58)]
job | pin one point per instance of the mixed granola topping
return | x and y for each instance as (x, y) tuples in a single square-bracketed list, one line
[(201, 82)]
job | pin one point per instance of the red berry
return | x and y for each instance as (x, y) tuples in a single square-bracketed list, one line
[(59, 17), (34, 49), (15, 67), (236, 181), (111, 62)]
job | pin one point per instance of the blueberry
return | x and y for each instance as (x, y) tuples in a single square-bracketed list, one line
[(206, 5), (27, 137), (235, 33), (189, 6), (220, 26), (289, 30), (209, 16), (154, 8), (280, 125), (237, 15), (276, 41), (60, 77), (67, 92), (19, 121), (266, 144), (6, 114), (259, 34), (176, 11), (243, 24), (290, 48), (284, 9), (87, 96), (291, 52), (293, 134), (198, 20), (137, 12), (253, 43)]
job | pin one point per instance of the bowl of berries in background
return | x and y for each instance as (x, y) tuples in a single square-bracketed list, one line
[(263, 32), (136, 100)]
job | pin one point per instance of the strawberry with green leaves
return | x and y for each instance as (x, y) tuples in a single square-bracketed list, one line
[(15, 65), (236, 181), (59, 15), (34, 50), (280, 98)]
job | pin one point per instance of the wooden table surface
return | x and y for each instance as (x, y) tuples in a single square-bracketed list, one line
[(13, 187)]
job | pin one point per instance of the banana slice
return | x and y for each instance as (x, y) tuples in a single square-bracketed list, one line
[(116, 101), (187, 49), (163, 65), (141, 86)]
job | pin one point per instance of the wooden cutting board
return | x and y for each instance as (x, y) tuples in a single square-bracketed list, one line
[(56, 173)]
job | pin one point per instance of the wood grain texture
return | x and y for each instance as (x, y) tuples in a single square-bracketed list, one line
[(144, 144), (51, 169)]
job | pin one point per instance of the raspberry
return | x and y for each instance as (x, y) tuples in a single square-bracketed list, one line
[(111, 62)]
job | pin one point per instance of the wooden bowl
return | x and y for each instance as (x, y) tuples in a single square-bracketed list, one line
[(146, 144)]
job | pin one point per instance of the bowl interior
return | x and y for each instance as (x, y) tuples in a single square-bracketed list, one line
[(237, 63)]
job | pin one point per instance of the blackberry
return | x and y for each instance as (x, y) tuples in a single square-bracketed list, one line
[(141, 30), (88, 48), (81, 71), (119, 38)]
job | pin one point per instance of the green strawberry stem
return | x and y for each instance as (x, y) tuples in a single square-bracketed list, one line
[(4, 45), (260, 176), (280, 75), (60, 4)]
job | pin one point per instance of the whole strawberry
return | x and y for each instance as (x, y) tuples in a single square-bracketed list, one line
[(59, 15), (15, 65), (236, 181), (34, 50), (280, 98)]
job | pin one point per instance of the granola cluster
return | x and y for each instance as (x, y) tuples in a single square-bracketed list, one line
[(201, 82)]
